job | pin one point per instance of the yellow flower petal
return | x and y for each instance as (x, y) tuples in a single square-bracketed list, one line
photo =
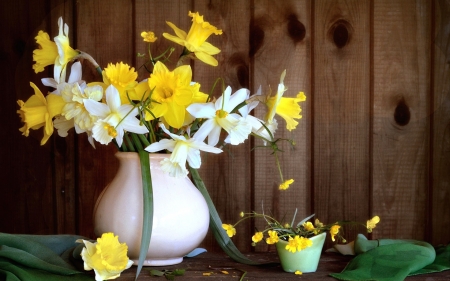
[(195, 39), (285, 185), (257, 237), (107, 257), (372, 223), (47, 52), (231, 231), (149, 36)]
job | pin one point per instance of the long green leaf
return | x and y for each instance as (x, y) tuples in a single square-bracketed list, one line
[(147, 222), (216, 224)]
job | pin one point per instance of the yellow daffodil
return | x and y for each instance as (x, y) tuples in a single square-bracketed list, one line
[(107, 257), (298, 272), (123, 78), (334, 230), (195, 39), (38, 111), (257, 237), (172, 93), (287, 108), (231, 231), (219, 115), (273, 237), (372, 223), (285, 184), (183, 149), (46, 54), (113, 118), (148, 36)]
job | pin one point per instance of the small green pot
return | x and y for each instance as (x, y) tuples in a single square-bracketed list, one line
[(306, 260)]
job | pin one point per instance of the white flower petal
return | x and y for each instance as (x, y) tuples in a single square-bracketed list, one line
[(113, 98), (238, 97), (161, 145), (96, 108), (202, 110), (75, 73), (193, 158)]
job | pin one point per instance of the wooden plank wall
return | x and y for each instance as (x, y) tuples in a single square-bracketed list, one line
[(375, 133)]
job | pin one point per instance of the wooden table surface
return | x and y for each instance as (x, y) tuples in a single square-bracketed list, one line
[(214, 263)]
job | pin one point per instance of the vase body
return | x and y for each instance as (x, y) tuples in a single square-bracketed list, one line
[(306, 260), (180, 212)]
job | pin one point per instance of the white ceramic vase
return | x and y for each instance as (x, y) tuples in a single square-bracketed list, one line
[(180, 219), (306, 260)]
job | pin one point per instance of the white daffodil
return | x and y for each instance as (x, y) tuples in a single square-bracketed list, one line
[(113, 118), (182, 149), (266, 131), (74, 96), (219, 116), (74, 77), (65, 52)]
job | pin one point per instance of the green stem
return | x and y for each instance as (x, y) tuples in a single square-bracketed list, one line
[(147, 222), (216, 224)]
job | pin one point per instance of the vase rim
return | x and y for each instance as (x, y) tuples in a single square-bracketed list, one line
[(315, 237), (129, 154)]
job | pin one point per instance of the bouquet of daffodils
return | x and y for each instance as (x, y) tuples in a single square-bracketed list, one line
[(166, 111), (297, 235)]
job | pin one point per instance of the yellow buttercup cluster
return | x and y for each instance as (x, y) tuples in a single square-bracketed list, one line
[(297, 235)]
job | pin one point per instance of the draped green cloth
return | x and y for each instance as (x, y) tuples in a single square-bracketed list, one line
[(41, 258), (393, 260)]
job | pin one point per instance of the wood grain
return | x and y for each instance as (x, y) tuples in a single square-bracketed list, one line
[(281, 40), (440, 213), (227, 175), (341, 110), (401, 123), (104, 30), (374, 138)]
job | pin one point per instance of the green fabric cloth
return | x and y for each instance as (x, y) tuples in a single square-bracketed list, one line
[(393, 260), (41, 258)]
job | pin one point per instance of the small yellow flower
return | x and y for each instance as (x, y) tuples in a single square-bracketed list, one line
[(241, 214), (372, 223), (195, 39), (257, 237), (149, 36), (285, 184), (318, 223), (273, 237), (107, 257), (298, 243), (308, 226), (298, 272), (334, 230), (231, 231)]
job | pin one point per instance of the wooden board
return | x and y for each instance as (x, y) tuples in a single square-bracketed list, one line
[(440, 117), (104, 30), (280, 37), (401, 66), (341, 112)]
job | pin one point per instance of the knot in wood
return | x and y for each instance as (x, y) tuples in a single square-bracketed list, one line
[(296, 29), (340, 33)]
